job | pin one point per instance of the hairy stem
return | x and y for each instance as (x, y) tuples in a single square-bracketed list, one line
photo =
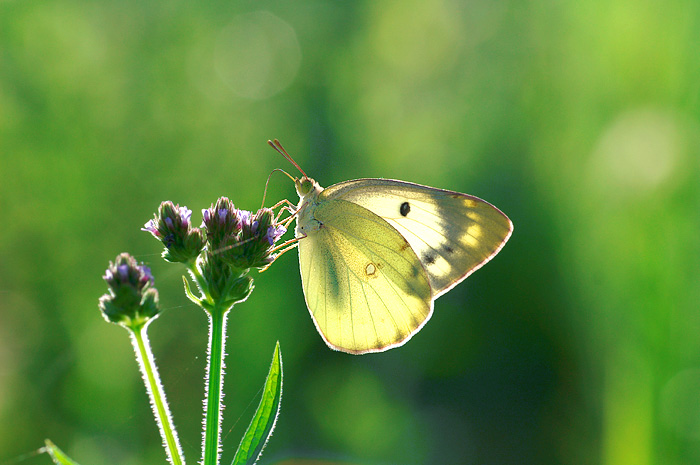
[(213, 407), (159, 403)]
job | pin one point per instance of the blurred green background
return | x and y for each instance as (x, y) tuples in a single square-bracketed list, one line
[(579, 343)]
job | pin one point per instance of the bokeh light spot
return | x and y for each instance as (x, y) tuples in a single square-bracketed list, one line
[(639, 151), (419, 39), (257, 55)]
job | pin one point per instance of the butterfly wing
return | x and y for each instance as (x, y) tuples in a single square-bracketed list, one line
[(364, 285), (452, 234)]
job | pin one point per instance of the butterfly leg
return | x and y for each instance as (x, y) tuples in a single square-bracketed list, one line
[(285, 246), (286, 221), (285, 202), (287, 206)]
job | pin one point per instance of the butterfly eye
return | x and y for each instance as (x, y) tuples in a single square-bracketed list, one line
[(305, 186), (302, 186)]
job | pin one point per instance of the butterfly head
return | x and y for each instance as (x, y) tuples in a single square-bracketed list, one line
[(305, 186)]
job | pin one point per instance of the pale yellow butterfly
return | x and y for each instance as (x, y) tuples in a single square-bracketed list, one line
[(375, 253)]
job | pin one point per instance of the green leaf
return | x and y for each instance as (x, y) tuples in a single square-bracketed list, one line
[(189, 293), (57, 455), (260, 428)]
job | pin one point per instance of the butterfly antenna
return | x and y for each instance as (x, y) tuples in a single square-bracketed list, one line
[(268, 182), (277, 146)]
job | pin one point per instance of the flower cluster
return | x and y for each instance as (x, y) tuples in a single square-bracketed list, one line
[(131, 299), (243, 239), (172, 226), (222, 250)]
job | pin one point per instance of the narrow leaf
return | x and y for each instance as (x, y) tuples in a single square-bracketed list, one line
[(189, 293), (260, 429), (57, 455)]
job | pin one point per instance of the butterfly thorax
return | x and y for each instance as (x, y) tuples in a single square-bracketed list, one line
[(308, 191)]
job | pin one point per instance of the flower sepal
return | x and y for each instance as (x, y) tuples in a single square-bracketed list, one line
[(240, 291), (190, 295)]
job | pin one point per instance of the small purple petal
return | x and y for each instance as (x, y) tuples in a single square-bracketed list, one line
[(245, 217), (146, 271), (185, 214), (169, 223), (152, 227), (223, 213), (206, 215), (280, 231), (123, 271), (274, 233), (254, 226)]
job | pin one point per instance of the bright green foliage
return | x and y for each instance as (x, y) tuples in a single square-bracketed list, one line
[(260, 428), (57, 455)]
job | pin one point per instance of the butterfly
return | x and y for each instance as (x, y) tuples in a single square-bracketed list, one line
[(374, 254)]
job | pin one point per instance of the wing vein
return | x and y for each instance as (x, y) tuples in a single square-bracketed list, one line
[(373, 255), (352, 317)]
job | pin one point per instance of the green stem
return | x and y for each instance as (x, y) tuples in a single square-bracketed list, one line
[(159, 403), (215, 365)]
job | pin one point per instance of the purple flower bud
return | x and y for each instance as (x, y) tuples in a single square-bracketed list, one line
[(123, 271), (274, 233), (222, 225), (185, 214), (172, 227), (128, 285)]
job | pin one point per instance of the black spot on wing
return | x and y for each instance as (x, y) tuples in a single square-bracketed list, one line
[(449, 249), (404, 209), (429, 258)]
